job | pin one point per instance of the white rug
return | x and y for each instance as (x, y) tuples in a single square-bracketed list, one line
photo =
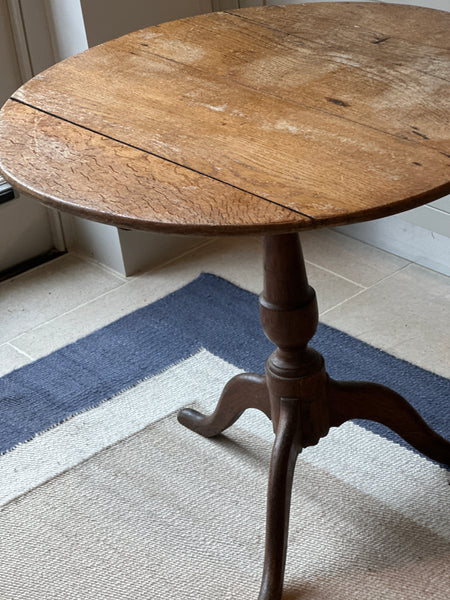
[(124, 503)]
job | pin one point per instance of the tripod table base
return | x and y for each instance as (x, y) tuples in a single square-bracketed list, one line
[(301, 400)]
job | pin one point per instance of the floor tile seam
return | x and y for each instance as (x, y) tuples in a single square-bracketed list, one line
[(12, 340), (66, 256), (429, 269), (339, 304), (19, 350), (153, 270), (317, 266), (125, 282), (390, 275), (378, 249), (98, 264), (368, 289)]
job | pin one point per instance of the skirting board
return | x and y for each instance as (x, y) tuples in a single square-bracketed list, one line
[(123, 251), (395, 235)]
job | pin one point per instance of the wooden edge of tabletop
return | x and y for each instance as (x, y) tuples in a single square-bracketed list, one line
[(77, 158), (84, 173), (89, 175)]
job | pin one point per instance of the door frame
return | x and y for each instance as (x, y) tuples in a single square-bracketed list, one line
[(33, 55)]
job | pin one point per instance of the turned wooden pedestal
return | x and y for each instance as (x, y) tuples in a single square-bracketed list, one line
[(299, 397)]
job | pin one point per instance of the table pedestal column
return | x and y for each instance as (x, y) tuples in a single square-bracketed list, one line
[(299, 397)]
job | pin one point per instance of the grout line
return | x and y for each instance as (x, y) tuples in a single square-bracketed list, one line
[(382, 250), (365, 289), (336, 274), (32, 269), (389, 276), (342, 302), (20, 351), (67, 312), (96, 263)]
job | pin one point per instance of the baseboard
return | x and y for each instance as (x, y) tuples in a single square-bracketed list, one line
[(124, 251), (143, 250), (405, 239)]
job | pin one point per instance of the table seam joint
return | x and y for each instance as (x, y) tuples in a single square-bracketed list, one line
[(234, 13), (105, 135)]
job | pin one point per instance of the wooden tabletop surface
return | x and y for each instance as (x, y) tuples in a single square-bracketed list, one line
[(269, 119)]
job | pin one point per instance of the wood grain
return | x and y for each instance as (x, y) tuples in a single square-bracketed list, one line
[(303, 159), (326, 21), (351, 77), (296, 105), (92, 176)]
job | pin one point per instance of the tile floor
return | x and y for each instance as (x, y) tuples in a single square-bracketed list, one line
[(375, 296)]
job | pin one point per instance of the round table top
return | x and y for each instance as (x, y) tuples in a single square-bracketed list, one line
[(262, 120)]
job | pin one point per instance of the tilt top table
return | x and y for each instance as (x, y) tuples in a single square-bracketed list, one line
[(268, 121)]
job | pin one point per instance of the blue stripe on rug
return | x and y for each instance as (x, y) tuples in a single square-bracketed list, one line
[(210, 313)]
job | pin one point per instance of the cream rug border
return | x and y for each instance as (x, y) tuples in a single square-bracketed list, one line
[(405, 481)]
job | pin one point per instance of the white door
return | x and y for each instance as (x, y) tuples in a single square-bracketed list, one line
[(27, 229)]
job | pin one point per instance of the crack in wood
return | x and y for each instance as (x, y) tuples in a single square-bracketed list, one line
[(338, 102), (422, 135), (380, 40)]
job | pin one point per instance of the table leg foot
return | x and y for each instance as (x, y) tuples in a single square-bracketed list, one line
[(284, 455), (247, 390), (375, 402)]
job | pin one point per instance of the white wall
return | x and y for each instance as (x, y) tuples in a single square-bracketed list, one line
[(66, 25), (107, 19)]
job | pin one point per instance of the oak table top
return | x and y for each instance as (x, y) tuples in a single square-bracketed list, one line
[(264, 120)]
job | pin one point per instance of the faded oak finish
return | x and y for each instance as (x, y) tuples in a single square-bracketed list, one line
[(266, 120)]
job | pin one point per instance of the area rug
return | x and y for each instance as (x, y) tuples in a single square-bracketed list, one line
[(104, 496)]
